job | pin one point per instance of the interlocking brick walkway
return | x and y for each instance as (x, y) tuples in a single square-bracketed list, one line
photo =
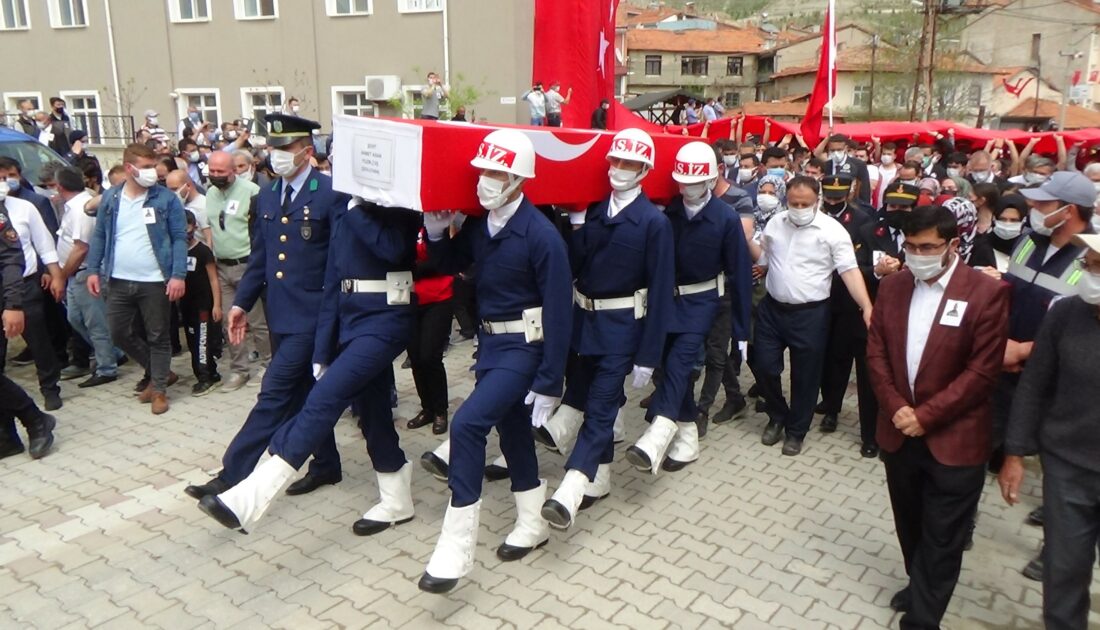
[(100, 534)]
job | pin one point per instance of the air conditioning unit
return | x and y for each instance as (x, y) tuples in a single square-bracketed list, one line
[(382, 87)]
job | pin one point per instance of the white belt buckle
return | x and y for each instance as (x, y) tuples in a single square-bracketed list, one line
[(399, 288), (532, 325)]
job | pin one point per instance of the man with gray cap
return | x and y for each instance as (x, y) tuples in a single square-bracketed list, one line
[(1041, 271), (152, 125)]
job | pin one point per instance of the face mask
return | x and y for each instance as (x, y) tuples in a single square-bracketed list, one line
[(981, 177), (12, 184), (282, 162), (953, 172), (145, 177), (895, 218), (1088, 287), (745, 174), (778, 172), (887, 159), (182, 195), (801, 217), (194, 157), (152, 121), (730, 160), (295, 108), (493, 193), (1007, 230), (246, 176), (3, 193), (232, 135), (42, 125), (833, 207), (838, 156), (767, 202), (622, 179), (925, 267), (1034, 178), (926, 160), (911, 182), (195, 118), (694, 193), (1038, 220), (220, 183)]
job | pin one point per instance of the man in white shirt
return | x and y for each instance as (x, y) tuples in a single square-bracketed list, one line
[(802, 247), (37, 244), (87, 314), (554, 101), (194, 202)]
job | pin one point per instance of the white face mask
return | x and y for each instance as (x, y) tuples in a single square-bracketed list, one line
[(911, 182), (295, 108), (801, 217), (730, 160), (194, 157), (838, 156), (246, 176), (925, 267), (493, 193), (981, 177), (3, 193), (1088, 287), (624, 179), (1038, 221), (1007, 230), (745, 174), (282, 162), (953, 172), (767, 202), (145, 177), (887, 159), (152, 121), (1034, 178), (182, 195), (693, 194)]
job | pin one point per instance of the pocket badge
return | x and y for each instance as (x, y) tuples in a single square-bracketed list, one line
[(306, 231)]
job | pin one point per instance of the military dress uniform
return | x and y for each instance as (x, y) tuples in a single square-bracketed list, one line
[(847, 333), (290, 248)]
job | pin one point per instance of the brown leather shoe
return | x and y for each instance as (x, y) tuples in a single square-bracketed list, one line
[(173, 378), (160, 403), (146, 395), (439, 424), (422, 419)]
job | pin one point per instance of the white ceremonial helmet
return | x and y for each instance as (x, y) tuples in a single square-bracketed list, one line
[(508, 151)]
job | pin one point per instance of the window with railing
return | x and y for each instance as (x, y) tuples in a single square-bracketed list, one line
[(83, 109)]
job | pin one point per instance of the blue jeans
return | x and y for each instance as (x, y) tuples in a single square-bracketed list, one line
[(88, 317), (537, 121)]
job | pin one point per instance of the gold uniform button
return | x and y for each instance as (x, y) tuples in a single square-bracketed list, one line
[(282, 238), (282, 256), (278, 275), (286, 220)]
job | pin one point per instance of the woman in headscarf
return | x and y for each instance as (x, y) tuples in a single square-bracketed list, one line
[(771, 196), (966, 215)]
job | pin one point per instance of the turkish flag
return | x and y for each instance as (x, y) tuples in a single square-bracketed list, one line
[(825, 85), (575, 45)]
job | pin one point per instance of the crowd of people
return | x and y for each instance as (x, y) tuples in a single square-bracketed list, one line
[(963, 283)]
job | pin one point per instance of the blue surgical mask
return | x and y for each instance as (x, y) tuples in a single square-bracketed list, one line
[(13, 184), (194, 116), (778, 172)]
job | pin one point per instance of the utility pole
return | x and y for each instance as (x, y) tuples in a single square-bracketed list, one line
[(930, 67), (871, 100), (1070, 57), (924, 58)]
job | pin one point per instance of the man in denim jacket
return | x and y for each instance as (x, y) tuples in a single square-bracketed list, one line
[(139, 249)]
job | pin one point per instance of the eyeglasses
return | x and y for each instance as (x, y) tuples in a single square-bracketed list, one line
[(1091, 267), (925, 249)]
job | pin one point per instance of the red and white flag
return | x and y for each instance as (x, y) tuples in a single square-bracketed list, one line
[(825, 85)]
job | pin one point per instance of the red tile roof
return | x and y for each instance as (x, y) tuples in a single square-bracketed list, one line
[(859, 60), (1077, 117)]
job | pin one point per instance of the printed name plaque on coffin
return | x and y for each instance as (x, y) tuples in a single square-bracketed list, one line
[(374, 160), (378, 160)]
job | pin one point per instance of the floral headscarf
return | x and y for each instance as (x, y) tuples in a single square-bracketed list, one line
[(780, 191), (966, 215)]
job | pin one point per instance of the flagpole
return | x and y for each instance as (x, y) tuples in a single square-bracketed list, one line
[(830, 26)]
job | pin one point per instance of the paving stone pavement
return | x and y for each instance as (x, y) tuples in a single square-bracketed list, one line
[(100, 534)]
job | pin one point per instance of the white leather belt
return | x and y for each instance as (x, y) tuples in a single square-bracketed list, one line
[(364, 286), (503, 328), (602, 304), (718, 283), (398, 287)]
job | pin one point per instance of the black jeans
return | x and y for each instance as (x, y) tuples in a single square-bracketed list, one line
[(721, 364), (426, 347), (933, 506), (128, 301), (14, 403), (204, 339), (1071, 528), (465, 306), (57, 326), (37, 336)]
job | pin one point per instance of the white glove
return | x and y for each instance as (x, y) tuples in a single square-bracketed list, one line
[(743, 348), (642, 376), (319, 370), (436, 223), (577, 218), (542, 407)]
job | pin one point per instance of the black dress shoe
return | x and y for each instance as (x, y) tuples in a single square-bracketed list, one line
[(419, 420), (7, 449), (213, 507), (493, 472), (969, 544), (435, 465), (53, 401), (820, 408), (731, 410), (439, 425), (702, 422), (508, 553), (556, 514), (869, 450), (588, 501), (430, 584), (772, 434), (364, 527), (40, 432), (754, 391), (761, 406), (212, 487), (644, 403), (902, 601), (792, 446), (311, 482), (542, 436), (23, 358), (1035, 517), (828, 423), (638, 458), (96, 380), (1034, 569), (142, 384)]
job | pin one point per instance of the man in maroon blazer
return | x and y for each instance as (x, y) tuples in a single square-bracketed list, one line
[(934, 352)]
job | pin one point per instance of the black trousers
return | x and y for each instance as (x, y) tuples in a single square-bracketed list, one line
[(14, 403), (37, 336), (204, 339), (1071, 527), (933, 505), (465, 306), (429, 340), (721, 364), (57, 326), (848, 343)]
